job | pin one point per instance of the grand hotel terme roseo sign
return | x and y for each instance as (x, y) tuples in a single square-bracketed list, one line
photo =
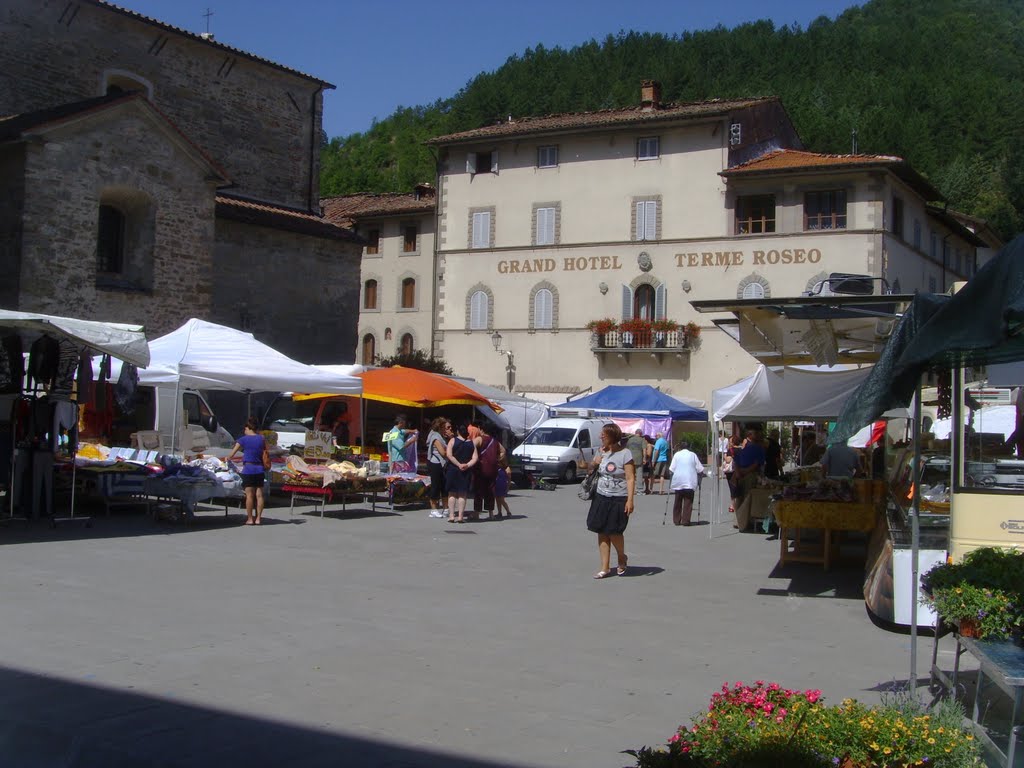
[(693, 259)]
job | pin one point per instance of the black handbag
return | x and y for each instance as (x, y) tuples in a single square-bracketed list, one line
[(589, 486)]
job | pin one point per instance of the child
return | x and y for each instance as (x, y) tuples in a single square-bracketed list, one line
[(500, 492)]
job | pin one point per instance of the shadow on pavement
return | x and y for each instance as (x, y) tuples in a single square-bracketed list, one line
[(811, 580), (48, 722)]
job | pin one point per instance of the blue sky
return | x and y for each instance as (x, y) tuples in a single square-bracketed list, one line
[(385, 54)]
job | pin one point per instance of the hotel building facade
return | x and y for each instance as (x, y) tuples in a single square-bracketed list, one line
[(545, 225)]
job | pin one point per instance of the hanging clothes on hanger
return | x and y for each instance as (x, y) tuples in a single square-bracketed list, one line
[(127, 384), (67, 367), (43, 357), (86, 386), (101, 384)]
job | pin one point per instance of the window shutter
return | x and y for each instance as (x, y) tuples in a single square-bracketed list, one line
[(650, 219), (753, 291), (627, 303), (545, 226), (639, 233), (542, 309), (471, 162), (482, 229), (494, 161), (660, 297), (478, 311)]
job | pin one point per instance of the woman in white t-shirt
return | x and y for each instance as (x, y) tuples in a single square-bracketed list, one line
[(613, 501)]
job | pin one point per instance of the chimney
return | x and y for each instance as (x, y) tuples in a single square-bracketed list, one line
[(650, 94)]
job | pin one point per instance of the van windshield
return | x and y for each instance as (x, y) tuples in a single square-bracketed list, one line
[(287, 415), (550, 436)]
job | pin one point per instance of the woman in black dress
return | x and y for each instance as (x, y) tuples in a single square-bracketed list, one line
[(612, 504), (462, 456)]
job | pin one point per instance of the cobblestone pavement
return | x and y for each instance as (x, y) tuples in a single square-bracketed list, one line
[(392, 639)]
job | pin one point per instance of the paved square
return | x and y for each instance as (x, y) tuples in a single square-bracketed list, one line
[(393, 639)]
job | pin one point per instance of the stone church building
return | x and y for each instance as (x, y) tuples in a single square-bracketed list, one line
[(149, 175)]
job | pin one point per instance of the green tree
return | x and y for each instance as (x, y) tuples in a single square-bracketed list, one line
[(417, 359)]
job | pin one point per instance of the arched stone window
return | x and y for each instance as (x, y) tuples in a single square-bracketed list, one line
[(818, 278), (753, 287), (407, 292), (543, 307), (370, 294), (479, 308), (646, 298), (118, 81), (406, 345), (369, 350), (125, 239)]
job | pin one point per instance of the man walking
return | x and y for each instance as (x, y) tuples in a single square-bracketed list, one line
[(636, 445), (661, 450), (686, 472)]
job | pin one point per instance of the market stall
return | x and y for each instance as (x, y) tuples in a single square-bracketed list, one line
[(979, 325), (639, 407), (44, 399)]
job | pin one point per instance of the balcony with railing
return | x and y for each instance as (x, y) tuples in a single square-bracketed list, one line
[(635, 338)]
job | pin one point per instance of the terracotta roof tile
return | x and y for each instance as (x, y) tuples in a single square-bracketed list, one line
[(278, 217), (209, 41), (795, 159), (782, 161), (346, 209), (605, 118)]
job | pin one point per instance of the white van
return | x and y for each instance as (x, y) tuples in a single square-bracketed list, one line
[(154, 411), (561, 447)]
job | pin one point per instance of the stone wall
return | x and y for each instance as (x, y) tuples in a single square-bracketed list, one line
[(297, 293), (260, 124), (65, 176), (12, 198)]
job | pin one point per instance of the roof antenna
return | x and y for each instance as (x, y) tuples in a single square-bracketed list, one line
[(853, 139), (207, 35)]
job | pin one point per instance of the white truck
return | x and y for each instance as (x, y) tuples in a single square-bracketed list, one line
[(154, 411), (560, 447)]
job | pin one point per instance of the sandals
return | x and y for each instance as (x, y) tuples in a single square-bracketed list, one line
[(621, 570), (602, 574)]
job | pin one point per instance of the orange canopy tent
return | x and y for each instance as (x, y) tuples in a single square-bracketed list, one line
[(413, 388)]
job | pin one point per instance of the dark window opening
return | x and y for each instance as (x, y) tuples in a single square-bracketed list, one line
[(373, 241), (755, 214), (110, 241), (825, 210)]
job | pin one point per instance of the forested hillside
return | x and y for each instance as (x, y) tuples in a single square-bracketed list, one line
[(938, 82)]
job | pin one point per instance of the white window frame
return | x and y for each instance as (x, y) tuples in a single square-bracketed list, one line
[(646, 220), (547, 156), (478, 311), (545, 225), (544, 309), (481, 229), (472, 164), (648, 148)]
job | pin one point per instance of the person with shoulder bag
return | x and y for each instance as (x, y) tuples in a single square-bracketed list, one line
[(612, 505), (437, 460)]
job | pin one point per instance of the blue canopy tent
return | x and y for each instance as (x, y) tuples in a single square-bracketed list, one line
[(639, 401)]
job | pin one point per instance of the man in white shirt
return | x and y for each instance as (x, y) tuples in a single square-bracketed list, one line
[(686, 471)]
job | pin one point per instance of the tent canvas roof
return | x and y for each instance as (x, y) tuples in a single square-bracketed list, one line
[(638, 400), (519, 414), (124, 342), (792, 394), (205, 355)]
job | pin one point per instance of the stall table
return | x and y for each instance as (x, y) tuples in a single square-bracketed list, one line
[(116, 485), (345, 489), (827, 516), (189, 492), (1000, 662)]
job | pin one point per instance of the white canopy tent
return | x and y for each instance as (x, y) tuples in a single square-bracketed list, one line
[(785, 394), (204, 355), (788, 394), (120, 341)]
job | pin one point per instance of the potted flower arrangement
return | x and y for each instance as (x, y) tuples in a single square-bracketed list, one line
[(983, 595), (635, 332), (602, 327), (661, 329), (769, 726), (691, 332)]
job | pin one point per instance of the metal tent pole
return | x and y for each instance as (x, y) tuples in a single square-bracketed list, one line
[(915, 540)]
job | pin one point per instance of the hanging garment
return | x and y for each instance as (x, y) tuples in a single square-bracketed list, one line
[(12, 366), (65, 418), (126, 387), (86, 387), (67, 367), (43, 356), (101, 384)]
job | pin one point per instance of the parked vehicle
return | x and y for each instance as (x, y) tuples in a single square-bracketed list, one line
[(292, 418), (560, 447)]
